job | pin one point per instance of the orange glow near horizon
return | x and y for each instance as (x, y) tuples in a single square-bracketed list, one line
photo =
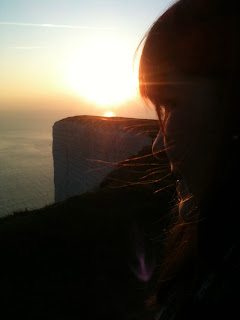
[(101, 71)]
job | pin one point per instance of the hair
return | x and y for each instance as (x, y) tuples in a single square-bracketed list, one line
[(202, 38)]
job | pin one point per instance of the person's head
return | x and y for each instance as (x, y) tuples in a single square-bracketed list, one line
[(189, 71), (188, 68)]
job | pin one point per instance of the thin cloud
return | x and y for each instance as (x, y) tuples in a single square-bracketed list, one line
[(49, 25), (28, 47)]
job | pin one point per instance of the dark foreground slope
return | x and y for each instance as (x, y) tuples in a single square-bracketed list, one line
[(75, 259)]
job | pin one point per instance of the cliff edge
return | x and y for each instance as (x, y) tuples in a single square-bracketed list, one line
[(87, 148)]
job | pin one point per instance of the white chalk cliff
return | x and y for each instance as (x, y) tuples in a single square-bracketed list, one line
[(87, 148)]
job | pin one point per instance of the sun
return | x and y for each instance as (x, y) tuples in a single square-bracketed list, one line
[(101, 71), (109, 114)]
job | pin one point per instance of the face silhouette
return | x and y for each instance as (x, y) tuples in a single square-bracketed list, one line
[(193, 133)]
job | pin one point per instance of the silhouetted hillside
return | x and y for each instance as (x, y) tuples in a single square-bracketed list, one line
[(76, 259)]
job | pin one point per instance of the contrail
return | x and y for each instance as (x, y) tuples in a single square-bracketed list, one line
[(49, 25)]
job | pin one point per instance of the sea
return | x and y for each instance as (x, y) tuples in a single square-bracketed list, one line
[(26, 165)]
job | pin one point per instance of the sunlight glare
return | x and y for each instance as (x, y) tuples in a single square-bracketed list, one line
[(109, 114), (101, 71)]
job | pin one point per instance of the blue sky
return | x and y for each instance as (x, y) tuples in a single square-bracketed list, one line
[(39, 36)]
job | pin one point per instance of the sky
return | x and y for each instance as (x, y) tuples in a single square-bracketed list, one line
[(73, 56)]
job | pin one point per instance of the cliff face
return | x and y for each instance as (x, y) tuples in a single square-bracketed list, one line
[(87, 148)]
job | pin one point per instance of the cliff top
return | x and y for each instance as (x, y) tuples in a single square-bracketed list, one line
[(138, 126)]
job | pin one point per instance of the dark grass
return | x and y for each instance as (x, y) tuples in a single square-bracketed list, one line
[(73, 259)]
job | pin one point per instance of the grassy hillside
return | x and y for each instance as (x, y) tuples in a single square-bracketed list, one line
[(75, 259)]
